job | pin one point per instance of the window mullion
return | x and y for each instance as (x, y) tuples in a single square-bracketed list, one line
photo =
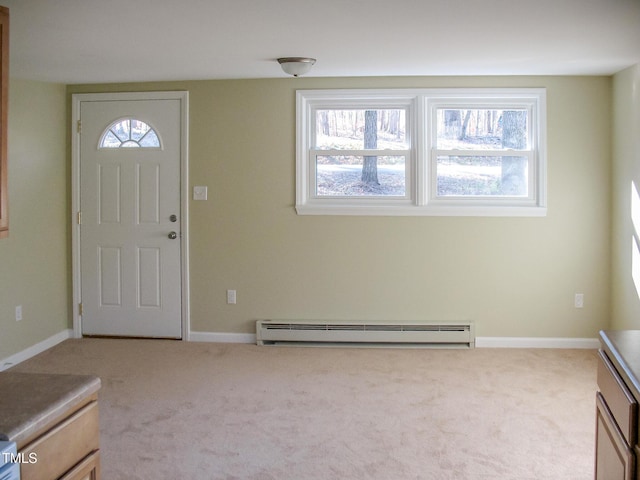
[(481, 153), (419, 143), (360, 153)]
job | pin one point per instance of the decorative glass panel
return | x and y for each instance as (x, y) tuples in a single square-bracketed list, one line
[(129, 133)]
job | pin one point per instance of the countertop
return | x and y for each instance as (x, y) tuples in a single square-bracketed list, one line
[(623, 349), (30, 401)]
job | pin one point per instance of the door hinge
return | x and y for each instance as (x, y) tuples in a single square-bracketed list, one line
[(79, 218), (79, 127), (80, 309)]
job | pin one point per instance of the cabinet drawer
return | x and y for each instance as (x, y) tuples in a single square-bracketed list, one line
[(614, 458), (63, 446), (618, 398), (88, 469)]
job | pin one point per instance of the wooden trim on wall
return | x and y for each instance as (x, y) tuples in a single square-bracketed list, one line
[(4, 104)]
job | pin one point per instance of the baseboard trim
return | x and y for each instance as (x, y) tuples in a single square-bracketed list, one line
[(250, 338), (221, 337), (34, 350), (536, 342)]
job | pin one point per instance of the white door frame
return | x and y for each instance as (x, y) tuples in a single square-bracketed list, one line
[(76, 100)]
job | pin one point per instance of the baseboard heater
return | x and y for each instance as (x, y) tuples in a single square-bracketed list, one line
[(422, 334)]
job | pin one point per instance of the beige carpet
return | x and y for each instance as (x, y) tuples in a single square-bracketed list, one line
[(213, 411)]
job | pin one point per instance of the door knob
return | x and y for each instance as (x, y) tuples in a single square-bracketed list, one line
[(172, 235)]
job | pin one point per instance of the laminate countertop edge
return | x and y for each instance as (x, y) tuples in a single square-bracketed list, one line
[(30, 402), (623, 349)]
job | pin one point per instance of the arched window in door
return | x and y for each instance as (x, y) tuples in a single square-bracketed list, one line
[(129, 132)]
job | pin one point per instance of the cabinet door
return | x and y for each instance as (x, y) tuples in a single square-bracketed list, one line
[(614, 459)]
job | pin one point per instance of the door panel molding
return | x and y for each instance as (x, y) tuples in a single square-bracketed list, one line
[(77, 100)]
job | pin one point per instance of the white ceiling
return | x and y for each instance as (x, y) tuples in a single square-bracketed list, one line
[(88, 41)]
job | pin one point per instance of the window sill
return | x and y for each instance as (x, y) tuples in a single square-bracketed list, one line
[(422, 211)]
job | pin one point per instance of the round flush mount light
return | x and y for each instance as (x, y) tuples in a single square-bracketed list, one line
[(296, 66)]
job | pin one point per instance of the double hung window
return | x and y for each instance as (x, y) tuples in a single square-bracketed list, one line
[(421, 152)]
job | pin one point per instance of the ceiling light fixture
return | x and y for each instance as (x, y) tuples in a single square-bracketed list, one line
[(296, 66)]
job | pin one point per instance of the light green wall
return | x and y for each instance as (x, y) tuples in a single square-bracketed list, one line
[(512, 276), (34, 268), (626, 168)]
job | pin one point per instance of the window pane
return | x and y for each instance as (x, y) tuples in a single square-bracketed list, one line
[(150, 139), (482, 129), (122, 130), (345, 176), (482, 176), (110, 140), (138, 129), (361, 129)]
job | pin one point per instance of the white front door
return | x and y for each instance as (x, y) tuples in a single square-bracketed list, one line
[(130, 227)]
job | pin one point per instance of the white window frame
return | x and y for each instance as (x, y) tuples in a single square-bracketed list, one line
[(420, 168)]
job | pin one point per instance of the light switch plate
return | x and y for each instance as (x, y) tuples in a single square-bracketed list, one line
[(200, 193)]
